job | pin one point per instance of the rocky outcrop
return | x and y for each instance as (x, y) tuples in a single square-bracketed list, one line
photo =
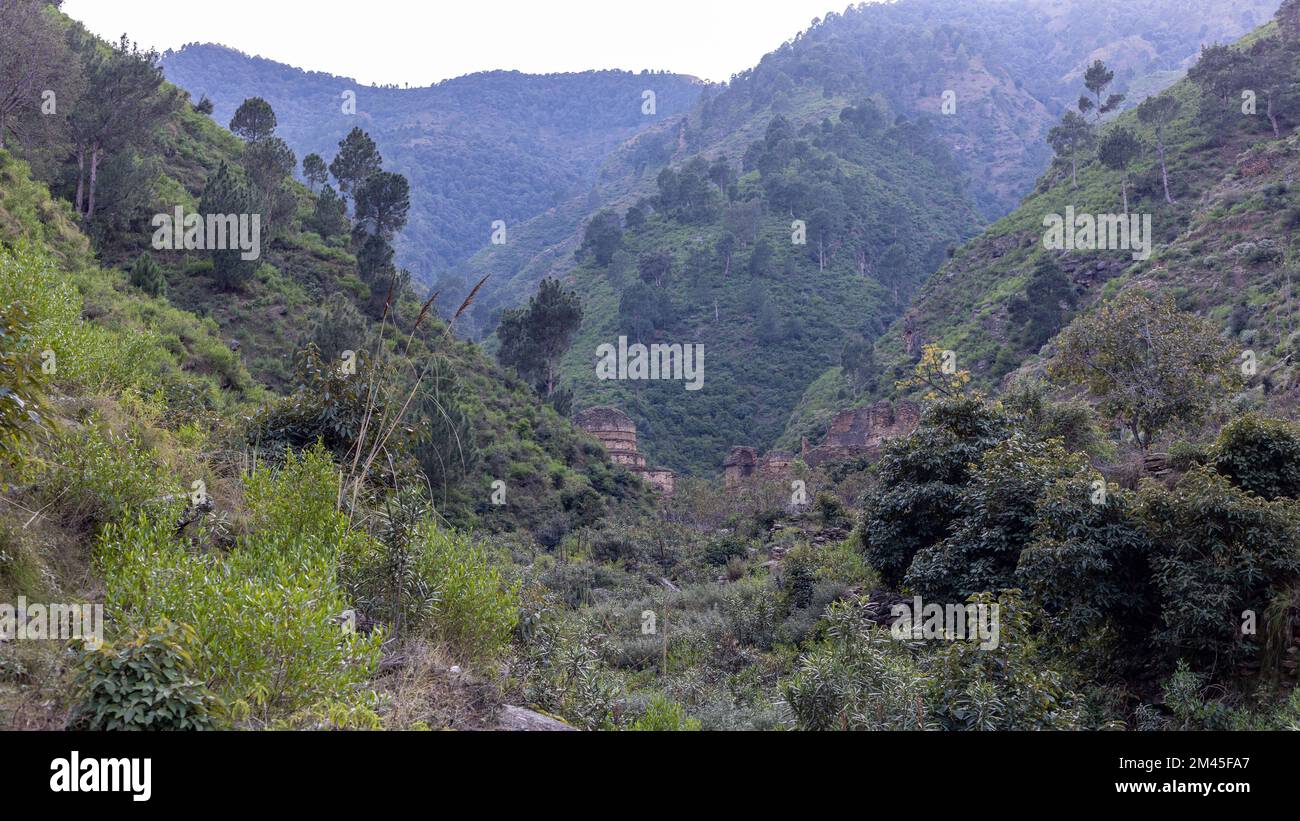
[(520, 719)]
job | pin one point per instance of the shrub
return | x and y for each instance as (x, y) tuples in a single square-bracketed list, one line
[(476, 609), (1088, 569), (1005, 688), (20, 388), (921, 477), (145, 683), (1260, 455), (721, 550), (1217, 552), (995, 521), (749, 612), (859, 679), (831, 511), (148, 277), (662, 715), (95, 475), (268, 613)]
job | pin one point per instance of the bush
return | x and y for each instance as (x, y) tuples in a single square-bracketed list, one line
[(148, 277), (721, 550), (860, 679), (1260, 455), (1088, 569), (662, 715), (145, 683), (475, 610), (1007, 688), (921, 477), (1217, 552), (995, 521), (268, 614)]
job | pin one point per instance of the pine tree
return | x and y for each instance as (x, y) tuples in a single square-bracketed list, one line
[(1158, 112), (227, 193), (1118, 150), (357, 159), (254, 120)]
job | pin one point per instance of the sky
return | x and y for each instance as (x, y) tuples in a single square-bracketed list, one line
[(420, 42)]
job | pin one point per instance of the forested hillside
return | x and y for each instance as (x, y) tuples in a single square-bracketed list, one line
[(1007, 90), (477, 149), (953, 167), (819, 235), (307, 498), (1221, 243)]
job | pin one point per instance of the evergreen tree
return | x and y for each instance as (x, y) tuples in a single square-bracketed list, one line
[(1117, 151), (382, 203), (227, 193), (147, 276), (1097, 79), (1158, 112), (357, 159), (315, 172), (602, 237), (254, 120), (1071, 136), (533, 338)]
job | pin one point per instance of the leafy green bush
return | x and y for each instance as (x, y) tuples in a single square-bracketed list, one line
[(1260, 455), (995, 521), (1088, 568), (662, 715), (20, 388), (95, 475), (921, 477), (1010, 687), (859, 679), (268, 614), (476, 609), (144, 683), (1217, 552)]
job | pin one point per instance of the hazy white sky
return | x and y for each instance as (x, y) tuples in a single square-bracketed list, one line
[(423, 41)]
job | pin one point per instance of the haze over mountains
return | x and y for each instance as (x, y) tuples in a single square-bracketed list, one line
[(545, 153), (480, 148)]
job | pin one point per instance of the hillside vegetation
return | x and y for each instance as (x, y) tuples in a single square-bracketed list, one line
[(306, 499)]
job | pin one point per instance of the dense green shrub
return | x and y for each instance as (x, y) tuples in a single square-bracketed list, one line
[(268, 614), (147, 276), (859, 679), (20, 387), (1217, 552), (1088, 568), (146, 682), (662, 715), (1010, 687), (1260, 455), (995, 519), (475, 609), (921, 479)]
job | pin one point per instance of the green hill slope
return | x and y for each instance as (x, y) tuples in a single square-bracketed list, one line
[(1224, 248)]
